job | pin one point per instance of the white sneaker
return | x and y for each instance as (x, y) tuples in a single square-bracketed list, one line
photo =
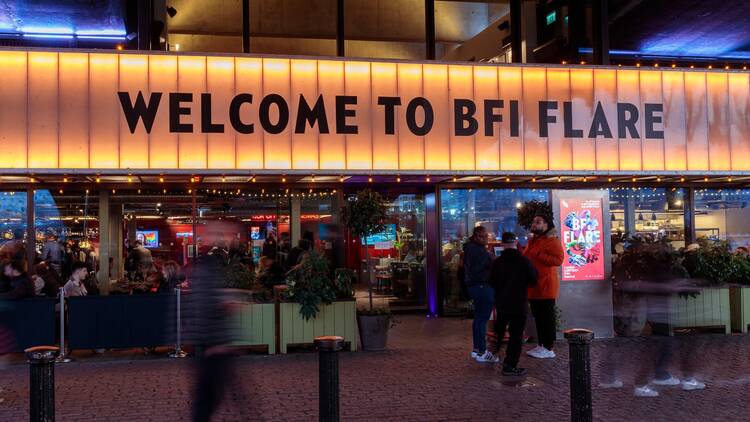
[(488, 357), (692, 384), (535, 352), (474, 354), (613, 384), (645, 391), (671, 381)]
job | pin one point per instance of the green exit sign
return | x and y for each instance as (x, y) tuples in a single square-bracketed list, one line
[(551, 17)]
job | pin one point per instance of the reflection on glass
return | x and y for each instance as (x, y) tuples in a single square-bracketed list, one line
[(462, 210), (12, 224), (723, 214), (651, 213)]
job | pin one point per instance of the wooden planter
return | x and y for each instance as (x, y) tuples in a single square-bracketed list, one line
[(336, 319), (708, 309), (254, 325), (739, 298)]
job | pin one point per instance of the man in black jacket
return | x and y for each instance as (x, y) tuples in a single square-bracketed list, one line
[(511, 275)]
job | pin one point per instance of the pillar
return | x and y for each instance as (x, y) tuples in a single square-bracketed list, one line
[(340, 37), (102, 276), (688, 204), (295, 226), (429, 27), (600, 31), (629, 215), (116, 240), (515, 31), (432, 257), (245, 26), (30, 230)]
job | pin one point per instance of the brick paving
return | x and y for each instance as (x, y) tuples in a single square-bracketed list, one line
[(425, 376)]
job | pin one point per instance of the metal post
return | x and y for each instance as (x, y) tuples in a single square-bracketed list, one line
[(600, 31), (340, 37), (63, 357), (328, 371), (429, 28), (178, 352), (580, 374), (515, 31), (41, 383), (245, 26), (30, 230)]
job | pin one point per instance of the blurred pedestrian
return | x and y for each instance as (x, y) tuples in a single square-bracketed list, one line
[(53, 253), (18, 283), (511, 276)]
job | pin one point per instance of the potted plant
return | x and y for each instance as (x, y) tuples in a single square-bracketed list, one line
[(363, 215), (317, 304)]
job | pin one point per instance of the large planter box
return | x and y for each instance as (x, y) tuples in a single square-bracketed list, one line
[(739, 301), (708, 309), (254, 325), (336, 319)]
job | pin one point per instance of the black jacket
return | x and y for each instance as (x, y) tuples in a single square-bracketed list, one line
[(476, 264), (511, 276)]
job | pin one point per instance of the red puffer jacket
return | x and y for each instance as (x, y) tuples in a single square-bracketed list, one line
[(546, 253)]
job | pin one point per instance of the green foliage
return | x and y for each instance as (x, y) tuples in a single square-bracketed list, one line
[(364, 216), (310, 285), (239, 275), (344, 280), (648, 260), (714, 264), (531, 209)]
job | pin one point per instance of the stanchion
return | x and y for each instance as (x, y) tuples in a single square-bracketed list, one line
[(328, 372), (63, 357), (178, 352), (580, 374), (41, 383)]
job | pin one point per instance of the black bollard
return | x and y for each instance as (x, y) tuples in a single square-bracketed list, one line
[(580, 374), (328, 350), (42, 383)]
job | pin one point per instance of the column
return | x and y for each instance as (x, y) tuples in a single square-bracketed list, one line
[(116, 240), (340, 37), (600, 31), (30, 230), (245, 26), (688, 204), (429, 27), (629, 215), (102, 275), (295, 226), (515, 31), (432, 254)]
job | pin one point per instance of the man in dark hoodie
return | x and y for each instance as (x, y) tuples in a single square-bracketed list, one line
[(477, 262), (511, 276)]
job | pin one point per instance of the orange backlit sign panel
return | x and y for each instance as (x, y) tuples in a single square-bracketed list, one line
[(103, 111)]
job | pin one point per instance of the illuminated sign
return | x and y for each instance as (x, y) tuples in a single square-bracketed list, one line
[(102, 110), (581, 237)]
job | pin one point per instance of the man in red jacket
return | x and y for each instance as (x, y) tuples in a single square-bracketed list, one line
[(546, 254)]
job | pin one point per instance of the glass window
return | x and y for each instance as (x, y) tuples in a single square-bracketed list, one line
[(655, 213), (12, 225), (462, 210), (723, 214)]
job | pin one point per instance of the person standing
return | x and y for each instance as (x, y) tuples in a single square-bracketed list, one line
[(477, 262), (511, 276), (546, 253), (53, 254), (75, 285)]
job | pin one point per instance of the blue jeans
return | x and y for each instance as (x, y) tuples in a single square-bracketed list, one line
[(484, 299)]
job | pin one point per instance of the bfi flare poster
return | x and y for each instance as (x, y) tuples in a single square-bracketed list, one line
[(582, 239)]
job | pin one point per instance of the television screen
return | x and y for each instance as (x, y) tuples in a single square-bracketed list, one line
[(387, 235), (255, 233), (149, 238)]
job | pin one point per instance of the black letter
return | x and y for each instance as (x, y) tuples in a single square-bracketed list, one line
[(175, 111), (140, 110), (390, 104), (234, 113), (206, 125), (623, 122), (490, 118), (599, 125), (264, 114), (342, 113), (514, 118), (411, 116), (463, 111), (318, 113), (544, 118), (651, 119), (568, 122)]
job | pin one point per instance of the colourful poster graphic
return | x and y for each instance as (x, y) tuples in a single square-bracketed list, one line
[(582, 239)]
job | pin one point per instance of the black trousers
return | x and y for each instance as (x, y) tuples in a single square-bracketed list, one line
[(214, 374), (515, 324), (546, 322)]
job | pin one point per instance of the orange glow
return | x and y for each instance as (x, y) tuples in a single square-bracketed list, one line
[(79, 122)]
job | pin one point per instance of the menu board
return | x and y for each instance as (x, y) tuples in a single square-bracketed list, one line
[(581, 236)]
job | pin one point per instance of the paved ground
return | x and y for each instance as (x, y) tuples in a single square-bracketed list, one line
[(425, 376)]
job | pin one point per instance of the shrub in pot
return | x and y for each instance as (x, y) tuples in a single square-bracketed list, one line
[(310, 285)]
